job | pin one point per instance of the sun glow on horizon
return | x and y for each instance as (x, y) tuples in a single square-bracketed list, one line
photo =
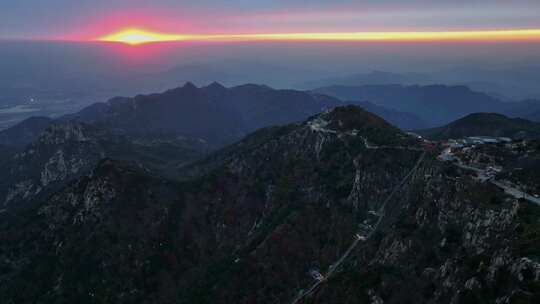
[(134, 36)]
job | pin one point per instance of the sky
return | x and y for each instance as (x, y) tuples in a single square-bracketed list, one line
[(32, 56), (82, 51), (87, 19)]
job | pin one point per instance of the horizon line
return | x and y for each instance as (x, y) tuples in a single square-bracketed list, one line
[(139, 35), (136, 36)]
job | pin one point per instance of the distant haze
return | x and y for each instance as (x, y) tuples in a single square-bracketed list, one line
[(116, 69), (50, 63)]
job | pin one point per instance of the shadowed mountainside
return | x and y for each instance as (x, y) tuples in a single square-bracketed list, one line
[(65, 151), (214, 114), (24, 132), (263, 215), (485, 124)]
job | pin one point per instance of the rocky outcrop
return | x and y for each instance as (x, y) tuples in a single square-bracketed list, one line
[(66, 151), (61, 153), (445, 241)]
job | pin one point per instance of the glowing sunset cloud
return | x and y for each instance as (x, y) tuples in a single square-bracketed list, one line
[(135, 36)]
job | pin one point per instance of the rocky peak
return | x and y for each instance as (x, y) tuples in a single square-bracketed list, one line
[(353, 120), (61, 133), (176, 95), (189, 86), (215, 90), (350, 117), (215, 86)]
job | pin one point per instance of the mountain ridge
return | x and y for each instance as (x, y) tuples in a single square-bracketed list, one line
[(26, 131), (435, 104), (485, 124), (213, 113), (273, 209), (65, 151)]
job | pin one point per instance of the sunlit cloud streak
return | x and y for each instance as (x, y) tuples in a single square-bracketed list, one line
[(135, 36)]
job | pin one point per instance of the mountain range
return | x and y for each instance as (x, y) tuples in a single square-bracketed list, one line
[(343, 195), (252, 195), (213, 114), (437, 105), (165, 131), (218, 115), (403, 120), (371, 78), (508, 84), (159, 132)]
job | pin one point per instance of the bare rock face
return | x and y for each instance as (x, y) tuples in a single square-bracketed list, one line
[(61, 153), (66, 132), (66, 151), (322, 211)]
